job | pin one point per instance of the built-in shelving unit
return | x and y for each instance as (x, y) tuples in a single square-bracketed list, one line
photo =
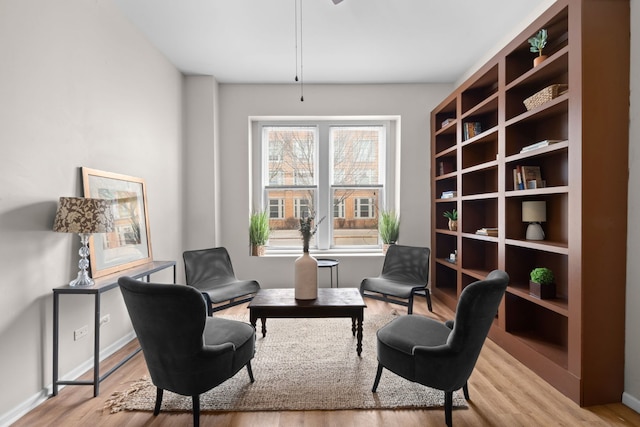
[(576, 340)]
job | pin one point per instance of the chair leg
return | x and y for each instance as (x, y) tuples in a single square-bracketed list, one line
[(428, 295), (465, 390), (250, 371), (156, 409), (448, 407), (196, 410), (377, 380), (410, 304)]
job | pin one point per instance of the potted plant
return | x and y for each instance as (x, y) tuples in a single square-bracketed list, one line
[(541, 283), (538, 42), (258, 232), (452, 216), (389, 228)]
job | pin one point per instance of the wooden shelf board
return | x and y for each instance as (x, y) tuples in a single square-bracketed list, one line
[(561, 189), (557, 305), (475, 273), (548, 108), (482, 166), (546, 245), (483, 107), (481, 136), (447, 151), (446, 231), (446, 176), (446, 263), (553, 65), (481, 196), (475, 236), (554, 352), (449, 128)]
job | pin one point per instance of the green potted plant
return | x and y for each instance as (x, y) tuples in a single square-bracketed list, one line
[(538, 42), (541, 283), (389, 228), (452, 216), (258, 232)]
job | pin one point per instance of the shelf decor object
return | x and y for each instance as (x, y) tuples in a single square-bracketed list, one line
[(541, 283), (538, 42), (85, 217), (568, 138), (534, 212)]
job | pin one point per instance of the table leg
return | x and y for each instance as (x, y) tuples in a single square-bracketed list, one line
[(359, 334), (353, 326), (264, 326), (96, 348), (56, 302)]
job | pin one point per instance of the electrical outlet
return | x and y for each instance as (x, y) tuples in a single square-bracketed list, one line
[(105, 319), (81, 332)]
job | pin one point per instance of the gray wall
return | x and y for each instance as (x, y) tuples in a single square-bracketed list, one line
[(79, 86)]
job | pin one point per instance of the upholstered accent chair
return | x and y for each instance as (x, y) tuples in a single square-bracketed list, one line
[(442, 355), (211, 272), (405, 273), (186, 351)]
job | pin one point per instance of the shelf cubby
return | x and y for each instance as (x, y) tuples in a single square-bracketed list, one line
[(556, 227), (480, 181), (483, 213), (478, 255)]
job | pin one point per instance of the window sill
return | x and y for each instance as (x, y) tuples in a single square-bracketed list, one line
[(331, 253)]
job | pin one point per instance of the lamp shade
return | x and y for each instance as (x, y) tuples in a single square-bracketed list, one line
[(83, 215), (534, 211)]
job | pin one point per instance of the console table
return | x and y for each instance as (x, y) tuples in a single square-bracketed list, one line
[(102, 284)]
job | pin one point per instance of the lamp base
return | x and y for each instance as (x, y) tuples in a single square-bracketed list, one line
[(83, 279), (534, 231)]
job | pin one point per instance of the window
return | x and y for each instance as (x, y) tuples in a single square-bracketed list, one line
[(276, 208), (340, 171)]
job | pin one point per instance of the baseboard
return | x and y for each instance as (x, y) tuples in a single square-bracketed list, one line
[(32, 402), (631, 401)]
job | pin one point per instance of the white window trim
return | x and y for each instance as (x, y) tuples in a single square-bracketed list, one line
[(391, 199)]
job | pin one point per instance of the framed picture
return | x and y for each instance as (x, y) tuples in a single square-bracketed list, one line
[(129, 245)]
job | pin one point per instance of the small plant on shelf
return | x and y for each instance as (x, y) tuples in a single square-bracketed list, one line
[(538, 42), (452, 216), (541, 283)]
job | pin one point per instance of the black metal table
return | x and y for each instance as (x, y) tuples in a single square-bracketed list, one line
[(102, 285)]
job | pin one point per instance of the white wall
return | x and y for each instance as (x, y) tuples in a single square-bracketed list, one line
[(238, 102), (632, 355), (79, 86)]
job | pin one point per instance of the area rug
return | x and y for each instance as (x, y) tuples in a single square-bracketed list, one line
[(302, 364)]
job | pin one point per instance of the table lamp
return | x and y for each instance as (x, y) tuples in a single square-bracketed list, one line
[(534, 213), (83, 216)]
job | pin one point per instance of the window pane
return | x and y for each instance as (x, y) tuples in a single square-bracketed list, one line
[(291, 205), (356, 154), (359, 224), (291, 155)]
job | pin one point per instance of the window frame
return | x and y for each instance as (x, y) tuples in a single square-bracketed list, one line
[(388, 196)]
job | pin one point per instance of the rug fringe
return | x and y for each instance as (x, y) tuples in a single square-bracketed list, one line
[(115, 403)]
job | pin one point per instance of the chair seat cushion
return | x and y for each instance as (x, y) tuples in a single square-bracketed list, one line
[(219, 331), (397, 339), (225, 292), (389, 287)]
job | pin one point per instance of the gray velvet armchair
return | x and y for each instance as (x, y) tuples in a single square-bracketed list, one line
[(211, 272), (442, 355), (186, 351), (405, 273)]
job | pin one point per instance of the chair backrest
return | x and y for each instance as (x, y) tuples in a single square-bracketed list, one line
[(408, 264), (208, 265), (169, 321), (476, 310)]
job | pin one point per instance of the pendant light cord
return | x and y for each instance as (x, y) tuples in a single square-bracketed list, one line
[(298, 36)]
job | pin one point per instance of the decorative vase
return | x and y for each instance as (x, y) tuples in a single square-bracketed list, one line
[(538, 60), (453, 225), (537, 290), (257, 250), (306, 277)]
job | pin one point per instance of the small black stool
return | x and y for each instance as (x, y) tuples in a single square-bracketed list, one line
[(326, 262)]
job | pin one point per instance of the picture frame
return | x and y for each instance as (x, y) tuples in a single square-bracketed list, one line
[(130, 244)]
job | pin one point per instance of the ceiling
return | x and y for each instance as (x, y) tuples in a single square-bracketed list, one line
[(355, 41)]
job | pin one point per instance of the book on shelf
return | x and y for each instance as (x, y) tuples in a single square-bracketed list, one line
[(527, 177), (447, 122), (448, 194), (445, 167), (540, 144), (488, 232), (471, 129)]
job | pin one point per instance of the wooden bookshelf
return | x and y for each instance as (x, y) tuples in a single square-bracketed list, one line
[(576, 340)]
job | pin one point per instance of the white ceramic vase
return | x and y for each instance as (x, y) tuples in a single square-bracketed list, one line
[(306, 277)]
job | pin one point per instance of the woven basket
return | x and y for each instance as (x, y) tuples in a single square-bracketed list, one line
[(545, 95)]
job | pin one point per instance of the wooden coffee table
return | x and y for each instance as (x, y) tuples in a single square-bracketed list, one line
[(331, 302)]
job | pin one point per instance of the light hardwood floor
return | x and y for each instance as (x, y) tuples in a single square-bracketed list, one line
[(503, 393)]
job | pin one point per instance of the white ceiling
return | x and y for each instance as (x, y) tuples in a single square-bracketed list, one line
[(355, 41)]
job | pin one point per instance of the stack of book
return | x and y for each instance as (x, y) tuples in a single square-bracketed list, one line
[(488, 232), (540, 144), (471, 129), (448, 194)]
